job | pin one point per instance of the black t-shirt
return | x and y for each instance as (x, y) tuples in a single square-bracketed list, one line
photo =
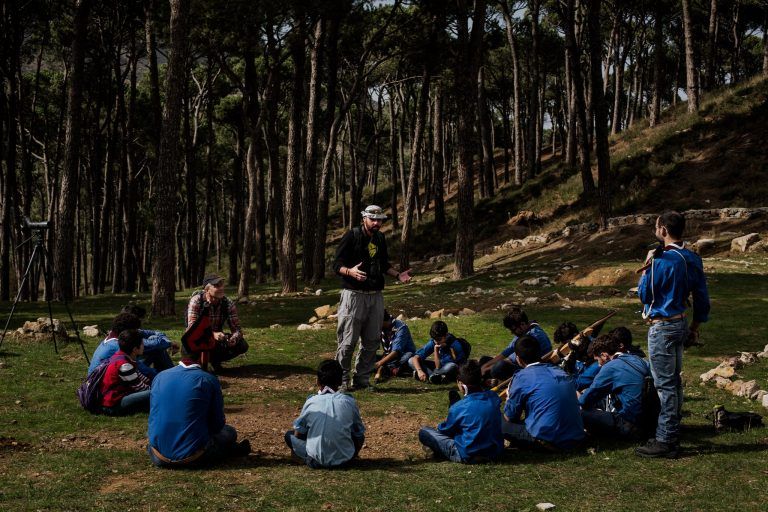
[(355, 247)]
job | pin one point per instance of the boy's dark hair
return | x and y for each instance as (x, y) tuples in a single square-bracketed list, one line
[(469, 373), (329, 373), (514, 317), (604, 343), (527, 349), (565, 332), (674, 222), (438, 330), (129, 339), (622, 335), (387, 316), (125, 321), (134, 310)]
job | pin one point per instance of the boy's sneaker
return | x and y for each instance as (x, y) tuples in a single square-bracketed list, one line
[(346, 387), (429, 453), (657, 449), (437, 379)]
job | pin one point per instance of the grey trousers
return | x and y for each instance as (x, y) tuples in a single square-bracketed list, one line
[(360, 317)]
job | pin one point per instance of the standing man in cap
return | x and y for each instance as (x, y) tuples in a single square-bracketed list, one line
[(221, 309), (362, 262)]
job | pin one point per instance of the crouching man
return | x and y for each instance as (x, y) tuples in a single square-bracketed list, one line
[(186, 418), (329, 431)]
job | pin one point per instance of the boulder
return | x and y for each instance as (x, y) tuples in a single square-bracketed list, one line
[(318, 292), (324, 311), (304, 327), (466, 312), (733, 362), (748, 388), (722, 370), (242, 300), (748, 357), (275, 326), (440, 313), (734, 386), (758, 395), (742, 243), (91, 330), (760, 246), (545, 506), (722, 383), (535, 281), (438, 280), (313, 320), (530, 301), (765, 401)]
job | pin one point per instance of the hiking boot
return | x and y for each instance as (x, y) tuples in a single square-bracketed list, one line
[(243, 448), (657, 449), (346, 387), (437, 379)]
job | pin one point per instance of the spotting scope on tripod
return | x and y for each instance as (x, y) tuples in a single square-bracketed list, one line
[(40, 262)]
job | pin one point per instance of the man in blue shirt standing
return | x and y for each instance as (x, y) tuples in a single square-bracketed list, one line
[(503, 365), (329, 431), (671, 275), (623, 376), (186, 418), (472, 431), (546, 395)]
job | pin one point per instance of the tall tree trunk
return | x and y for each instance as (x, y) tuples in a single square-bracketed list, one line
[(601, 115), (533, 101), (517, 132), (65, 227), (309, 189), (393, 156), (484, 120), (165, 186), (658, 58), (765, 41), (691, 75), (293, 170), (468, 48), (737, 36), (438, 157), (711, 45)]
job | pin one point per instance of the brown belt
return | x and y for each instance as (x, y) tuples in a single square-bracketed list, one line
[(187, 460), (666, 318)]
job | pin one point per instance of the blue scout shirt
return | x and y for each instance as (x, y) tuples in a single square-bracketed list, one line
[(153, 340), (474, 423), (623, 378), (330, 420), (665, 286), (584, 374), (446, 354), (546, 395), (401, 340), (186, 409), (545, 345)]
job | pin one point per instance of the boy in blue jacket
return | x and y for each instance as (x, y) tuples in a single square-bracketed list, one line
[(398, 347), (472, 431), (623, 376), (438, 361)]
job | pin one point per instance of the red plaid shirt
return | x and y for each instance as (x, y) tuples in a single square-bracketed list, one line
[(216, 312)]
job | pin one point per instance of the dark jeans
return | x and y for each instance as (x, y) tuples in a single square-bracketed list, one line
[(221, 354), (158, 359), (603, 423), (400, 364), (220, 446), (130, 404), (450, 370)]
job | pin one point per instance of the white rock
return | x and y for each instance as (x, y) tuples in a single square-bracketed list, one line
[(544, 506), (318, 292), (763, 355), (275, 326), (535, 281), (529, 301), (312, 320), (438, 280), (765, 401), (304, 327), (758, 395), (748, 389), (91, 330), (474, 290), (401, 317), (466, 312), (742, 243), (748, 357), (703, 244)]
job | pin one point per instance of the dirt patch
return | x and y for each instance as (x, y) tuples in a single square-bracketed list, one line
[(104, 439), (9, 444), (604, 276), (123, 484)]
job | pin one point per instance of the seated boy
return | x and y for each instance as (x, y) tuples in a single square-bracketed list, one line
[(503, 366), (579, 364), (440, 358), (124, 388), (156, 345), (623, 376), (398, 346), (186, 418), (329, 431), (472, 431), (624, 337), (545, 394)]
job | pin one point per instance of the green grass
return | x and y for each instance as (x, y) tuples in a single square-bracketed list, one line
[(65, 459)]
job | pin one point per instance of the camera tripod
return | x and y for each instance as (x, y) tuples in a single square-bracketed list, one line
[(41, 261)]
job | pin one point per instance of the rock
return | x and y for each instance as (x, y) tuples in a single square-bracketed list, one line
[(523, 218), (401, 317), (544, 506), (313, 320), (760, 246), (748, 357), (466, 312), (437, 314), (275, 326), (304, 327), (324, 311), (414, 318), (722, 383), (763, 354), (733, 362), (742, 243), (242, 300), (332, 317), (318, 292), (91, 330), (765, 401), (734, 386), (748, 389), (474, 290), (704, 244), (723, 371), (438, 280), (758, 395), (530, 301), (535, 281)]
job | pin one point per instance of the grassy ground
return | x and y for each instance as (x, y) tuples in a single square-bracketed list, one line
[(53, 456)]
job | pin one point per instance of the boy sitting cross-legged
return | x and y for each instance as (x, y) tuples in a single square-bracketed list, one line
[(440, 358), (472, 431), (329, 431)]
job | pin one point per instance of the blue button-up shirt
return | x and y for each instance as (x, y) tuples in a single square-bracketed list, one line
[(622, 377), (474, 423), (153, 340), (665, 286), (401, 340), (452, 353), (545, 345)]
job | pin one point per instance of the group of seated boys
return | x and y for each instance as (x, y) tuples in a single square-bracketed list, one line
[(550, 407)]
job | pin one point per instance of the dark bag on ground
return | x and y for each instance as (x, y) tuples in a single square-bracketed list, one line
[(89, 393), (466, 347), (726, 421)]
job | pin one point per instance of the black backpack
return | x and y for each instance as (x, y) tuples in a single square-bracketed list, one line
[(89, 393), (465, 347)]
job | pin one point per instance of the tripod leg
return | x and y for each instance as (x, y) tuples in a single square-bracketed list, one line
[(48, 271), (48, 286), (18, 295)]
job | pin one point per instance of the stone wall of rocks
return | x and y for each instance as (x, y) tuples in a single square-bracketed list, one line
[(725, 377)]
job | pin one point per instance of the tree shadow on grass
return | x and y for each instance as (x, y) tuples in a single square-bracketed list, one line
[(384, 464), (265, 371)]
